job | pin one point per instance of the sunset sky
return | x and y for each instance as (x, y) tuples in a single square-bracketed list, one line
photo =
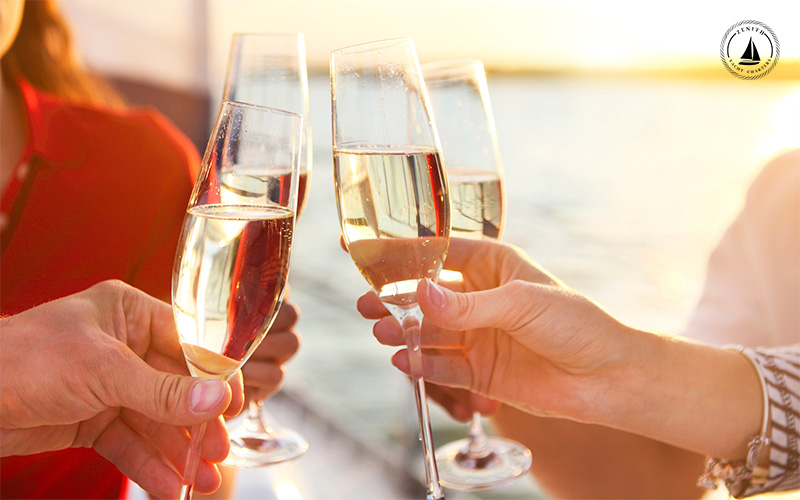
[(166, 39), (519, 34)]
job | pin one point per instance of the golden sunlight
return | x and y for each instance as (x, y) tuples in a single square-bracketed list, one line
[(784, 126)]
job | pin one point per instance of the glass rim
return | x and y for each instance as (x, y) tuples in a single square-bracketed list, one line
[(268, 34), (375, 44), (258, 107)]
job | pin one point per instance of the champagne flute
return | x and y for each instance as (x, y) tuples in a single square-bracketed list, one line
[(233, 257), (391, 190), (460, 99), (269, 69)]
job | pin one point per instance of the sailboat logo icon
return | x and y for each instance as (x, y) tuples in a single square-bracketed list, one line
[(750, 56), (758, 46)]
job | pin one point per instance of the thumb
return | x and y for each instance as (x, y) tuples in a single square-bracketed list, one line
[(168, 397), (507, 307)]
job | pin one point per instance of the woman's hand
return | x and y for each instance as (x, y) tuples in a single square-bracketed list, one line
[(509, 331)]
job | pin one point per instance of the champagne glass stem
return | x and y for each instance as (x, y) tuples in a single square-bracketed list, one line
[(256, 422), (431, 473), (411, 320), (254, 410), (478, 441), (192, 461)]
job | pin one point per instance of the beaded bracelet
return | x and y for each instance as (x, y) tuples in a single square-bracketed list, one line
[(738, 476)]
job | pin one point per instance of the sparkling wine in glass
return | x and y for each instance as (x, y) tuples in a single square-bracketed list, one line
[(269, 69), (460, 99), (391, 190), (232, 261)]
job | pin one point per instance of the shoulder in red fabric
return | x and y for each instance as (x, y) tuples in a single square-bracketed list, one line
[(103, 196)]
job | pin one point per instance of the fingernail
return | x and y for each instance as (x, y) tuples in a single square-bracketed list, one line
[(436, 294), (206, 394)]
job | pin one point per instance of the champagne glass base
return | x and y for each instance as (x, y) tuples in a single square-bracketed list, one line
[(505, 463), (250, 449)]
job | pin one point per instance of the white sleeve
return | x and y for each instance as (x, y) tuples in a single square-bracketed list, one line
[(752, 290)]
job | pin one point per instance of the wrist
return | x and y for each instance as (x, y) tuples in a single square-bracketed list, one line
[(604, 393), (694, 396), (623, 382)]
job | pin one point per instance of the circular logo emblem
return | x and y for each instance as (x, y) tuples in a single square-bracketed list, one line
[(749, 50)]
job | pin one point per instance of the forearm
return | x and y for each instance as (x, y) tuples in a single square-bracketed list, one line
[(670, 402), (692, 396)]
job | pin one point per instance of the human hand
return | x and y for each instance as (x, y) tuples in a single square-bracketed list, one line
[(103, 368), (509, 331), (263, 372), (459, 403)]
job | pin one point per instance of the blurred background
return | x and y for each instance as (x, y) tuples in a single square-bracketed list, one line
[(627, 147)]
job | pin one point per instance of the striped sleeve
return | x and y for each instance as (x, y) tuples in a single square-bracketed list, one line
[(780, 368)]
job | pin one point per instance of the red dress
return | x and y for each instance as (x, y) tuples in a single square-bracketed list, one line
[(97, 195)]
